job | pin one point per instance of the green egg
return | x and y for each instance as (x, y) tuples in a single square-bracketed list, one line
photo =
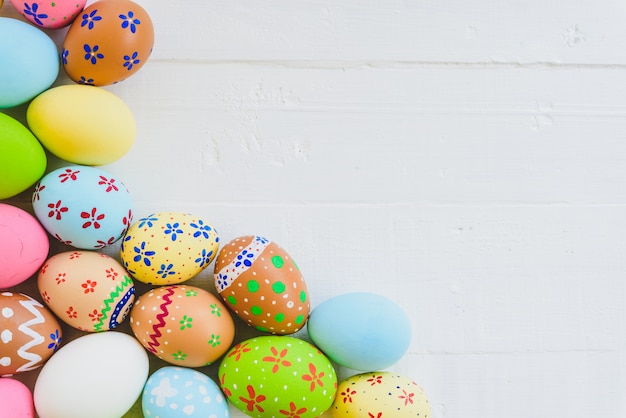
[(275, 376), (22, 158)]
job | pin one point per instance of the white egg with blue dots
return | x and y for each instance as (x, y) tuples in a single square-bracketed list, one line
[(178, 391)]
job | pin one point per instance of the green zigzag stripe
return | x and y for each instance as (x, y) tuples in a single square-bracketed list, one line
[(111, 300)]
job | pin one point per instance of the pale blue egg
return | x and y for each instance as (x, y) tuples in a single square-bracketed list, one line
[(360, 331), (173, 392), (85, 207), (30, 62)]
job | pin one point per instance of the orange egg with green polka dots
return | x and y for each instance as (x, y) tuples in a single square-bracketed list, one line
[(259, 281)]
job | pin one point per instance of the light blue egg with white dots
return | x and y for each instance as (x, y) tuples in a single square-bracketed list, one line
[(175, 392)]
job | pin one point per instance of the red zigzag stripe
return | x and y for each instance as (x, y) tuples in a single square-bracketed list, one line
[(156, 328)]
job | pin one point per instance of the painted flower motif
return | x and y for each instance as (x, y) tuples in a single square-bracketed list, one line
[(179, 356), (93, 218), (64, 55), (407, 397), (347, 395), (314, 377), (131, 60), (261, 240), (277, 359), (173, 230), (69, 174), (32, 11), (56, 210), (165, 271), (36, 193), (254, 400), (85, 81), (147, 221), (375, 379), (205, 258), (89, 19), (185, 322), (110, 183), (75, 255), (102, 244), (95, 316), (111, 274), (216, 310), (222, 281), (293, 412), (126, 220), (63, 241), (71, 313), (129, 21), (92, 54), (191, 293), (44, 268), (89, 286), (56, 341), (141, 252), (215, 340), (60, 278), (371, 415), (46, 297), (202, 229), (244, 258), (239, 350), (226, 391)]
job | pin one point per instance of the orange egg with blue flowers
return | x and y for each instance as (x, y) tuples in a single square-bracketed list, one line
[(108, 42)]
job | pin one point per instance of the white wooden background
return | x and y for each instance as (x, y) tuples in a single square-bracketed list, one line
[(465, 158)]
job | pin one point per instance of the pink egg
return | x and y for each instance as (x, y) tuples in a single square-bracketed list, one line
[(23, 245), (15, 399), (50, 14)]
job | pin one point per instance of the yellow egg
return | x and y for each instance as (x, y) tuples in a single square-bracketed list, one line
[(380, 395), (168, 247), (82, 124)]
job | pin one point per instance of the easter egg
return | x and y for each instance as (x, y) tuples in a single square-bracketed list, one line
[(373, 333), (50, 14), (23, 245), (82, 124), (168, 247), (85, 207), (29, 333), (262, 284), (380, 395), (173, 392), (15, 398), (87, 290), (275, 376), (110, 42), (33, 58), (182, 325), (96, 376), (22, 158)]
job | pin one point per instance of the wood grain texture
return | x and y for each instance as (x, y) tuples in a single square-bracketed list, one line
[(468, 160)]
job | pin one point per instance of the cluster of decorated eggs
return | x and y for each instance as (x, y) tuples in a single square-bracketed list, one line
[(257, 282)]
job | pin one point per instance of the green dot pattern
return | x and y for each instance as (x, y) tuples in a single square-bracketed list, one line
[(299, 319), (278, 287), (278, 261), (256, 310), (231, 299), (280, 317), (253, 286), (303, 296)]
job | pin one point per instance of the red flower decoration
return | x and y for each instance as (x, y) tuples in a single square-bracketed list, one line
[(227, 391), (89, 286), (56, 209), (277, 359), (347, 395), (93, 218), (46, 297), (254, 400), (60, 278), (239, 350), (110, 183), (313, 377), (71, 312), (293, 411), (408, 397), (375, 379), (371, 415)]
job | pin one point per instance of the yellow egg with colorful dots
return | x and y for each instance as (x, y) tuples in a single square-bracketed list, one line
[(168, 247), (380, 395)]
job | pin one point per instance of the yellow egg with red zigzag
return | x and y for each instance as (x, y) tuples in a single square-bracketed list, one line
[(29, 333), (87, 290)]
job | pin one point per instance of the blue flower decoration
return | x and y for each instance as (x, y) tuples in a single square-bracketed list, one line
[(130, 61), (261, 240), (202, 229), (141, 252), (64, 55), (129, 21), (166, 270), (92, 53), (87, 81), (32, 11), (173, 229), (56, 340), (222, 281), (244, 258), (205, 258), (89, 19), (147, 221)]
